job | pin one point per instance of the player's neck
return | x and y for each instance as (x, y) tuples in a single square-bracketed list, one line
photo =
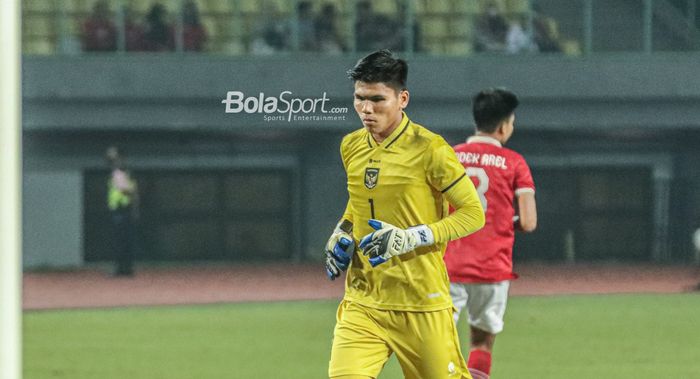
[(495, 136)]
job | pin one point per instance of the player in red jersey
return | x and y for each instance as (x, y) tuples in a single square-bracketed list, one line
[(480, 265)]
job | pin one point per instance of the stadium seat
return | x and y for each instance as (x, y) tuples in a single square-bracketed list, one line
[(437, 6), (39, 25), (459, 48), (216, 6), (462, 26), (467, 7), (249, 6), (233, 47), (387, 7), (517, 6), (38, 6), (38, 47), (435, 27), (571, 47), (76, 6)]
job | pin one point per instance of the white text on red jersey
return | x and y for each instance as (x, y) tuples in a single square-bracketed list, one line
[(482, 159)]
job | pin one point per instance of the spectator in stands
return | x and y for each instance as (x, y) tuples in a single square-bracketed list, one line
[(99, 32), (374, 31), (329, 40), (158, 34), (517, 39), (491, 30), (193, 33), (545, 31), (272, 33), (404, 28), (133, 31), (306, 27)]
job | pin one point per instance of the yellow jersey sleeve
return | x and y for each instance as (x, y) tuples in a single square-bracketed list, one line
[(447, 175)]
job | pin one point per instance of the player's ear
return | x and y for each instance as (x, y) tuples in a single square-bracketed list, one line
[(404, 97)]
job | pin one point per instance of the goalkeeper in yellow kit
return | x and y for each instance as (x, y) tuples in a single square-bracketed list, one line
[(400, 179)]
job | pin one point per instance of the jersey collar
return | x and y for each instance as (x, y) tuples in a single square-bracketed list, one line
[(388, 141), (484, 139)]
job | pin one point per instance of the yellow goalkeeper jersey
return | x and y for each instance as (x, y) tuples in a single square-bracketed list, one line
[(406, 180)]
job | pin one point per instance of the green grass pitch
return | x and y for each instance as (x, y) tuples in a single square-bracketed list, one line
[(614, 336)]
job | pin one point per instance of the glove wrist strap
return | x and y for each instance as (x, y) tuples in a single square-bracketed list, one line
[(423, 235)]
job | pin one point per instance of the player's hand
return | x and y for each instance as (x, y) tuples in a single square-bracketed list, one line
[(339, 250), (388, 241)]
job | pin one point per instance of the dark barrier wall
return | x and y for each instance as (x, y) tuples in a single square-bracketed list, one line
[(639, 113), (174, 92)]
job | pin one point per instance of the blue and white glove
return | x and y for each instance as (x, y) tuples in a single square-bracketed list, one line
[(388, 241), (339, 250)]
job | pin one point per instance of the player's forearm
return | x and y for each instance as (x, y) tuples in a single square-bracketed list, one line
[(467, 218), (527, 212)]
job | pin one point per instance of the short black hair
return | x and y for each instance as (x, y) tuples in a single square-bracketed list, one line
[(381, 67), (491, 106)]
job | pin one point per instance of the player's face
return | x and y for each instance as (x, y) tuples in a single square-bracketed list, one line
[(379, 107)]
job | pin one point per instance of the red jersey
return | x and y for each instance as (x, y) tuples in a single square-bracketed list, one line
[(499, 174)]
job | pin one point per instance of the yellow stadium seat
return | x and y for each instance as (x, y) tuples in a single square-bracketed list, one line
[(459, 48), (77, 6), (438, 6), (461, 27), (74, 28), (384, 6), (465, 6), (248, 6), (38, 5), (39, 47), (233, 48), (517, 6), (283, 6), (210, 24), (216, 6), (39, 26), (435, 27), (139, 7), (571, 47)]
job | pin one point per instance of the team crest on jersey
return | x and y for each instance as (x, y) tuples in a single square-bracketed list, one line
[(371, 177)]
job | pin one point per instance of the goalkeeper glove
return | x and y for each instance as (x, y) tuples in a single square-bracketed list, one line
[(387, 241), (339, 250)]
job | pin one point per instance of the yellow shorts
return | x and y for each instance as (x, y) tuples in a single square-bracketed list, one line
[(425, 343)]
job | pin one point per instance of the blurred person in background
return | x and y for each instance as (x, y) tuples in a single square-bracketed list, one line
[(193, 33), (329, 40), (404, 28), (400, 179), (306, 26), (480, 266), (491, 30), (374, 31), (133, 30), (123, 203), (546, 33), (99, 31), (517, 39), (158, 33), (272, 31)]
